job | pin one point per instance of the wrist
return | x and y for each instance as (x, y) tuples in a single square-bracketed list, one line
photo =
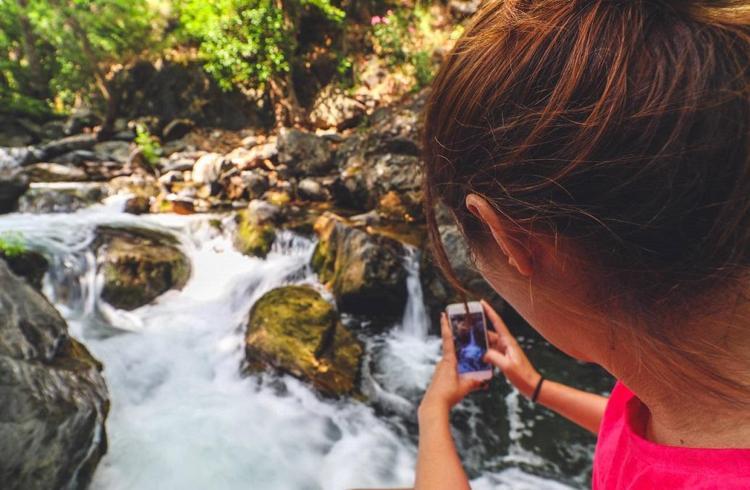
[(530, 385), (432, 410)]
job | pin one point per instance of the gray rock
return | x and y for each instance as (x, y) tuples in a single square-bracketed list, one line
[(54, 399), (113, 151), (60, 200), (260, 211), (71, 143), (311, 190), (304, 153), (208, 168), (11, 158), (54, 172), (13, 184), (334, 109), (75, 157)]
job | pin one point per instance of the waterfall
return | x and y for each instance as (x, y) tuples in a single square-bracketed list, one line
[(415, 321), (183, 416)]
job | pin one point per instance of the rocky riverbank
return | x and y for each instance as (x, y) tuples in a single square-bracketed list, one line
[(352, 185)]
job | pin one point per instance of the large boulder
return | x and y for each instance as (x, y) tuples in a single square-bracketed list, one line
[(304, 153), (54, 399), (383, 158), (364, 271), (293, 329), (138, 265)]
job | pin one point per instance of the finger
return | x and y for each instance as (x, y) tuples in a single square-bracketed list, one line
[(467, 385), (496, 320), (497, 358), (496, 341), (449, 350)]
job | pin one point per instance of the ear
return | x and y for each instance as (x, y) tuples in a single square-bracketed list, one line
[(519, 256)]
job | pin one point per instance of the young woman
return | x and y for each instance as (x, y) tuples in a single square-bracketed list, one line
[(596, 156)]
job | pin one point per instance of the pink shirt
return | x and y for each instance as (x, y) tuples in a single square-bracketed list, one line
[(624, 459)]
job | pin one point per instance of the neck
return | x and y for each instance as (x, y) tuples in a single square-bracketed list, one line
[(683, 412)]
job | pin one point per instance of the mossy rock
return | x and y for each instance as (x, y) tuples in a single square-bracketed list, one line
[(294, 330), (365, 271), (29, 264), (252, 237), (139, 265)]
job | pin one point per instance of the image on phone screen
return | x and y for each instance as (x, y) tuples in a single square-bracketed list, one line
[(470, 341)]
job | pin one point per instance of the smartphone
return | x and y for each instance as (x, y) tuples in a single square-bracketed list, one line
[(470, 339)]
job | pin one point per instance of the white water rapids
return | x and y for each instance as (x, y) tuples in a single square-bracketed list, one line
[(182, 414)]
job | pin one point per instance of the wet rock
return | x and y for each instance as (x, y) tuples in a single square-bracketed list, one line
[(138, 265), (55, 400), (13, 184), (54, 172), (364, 271), (312, 190), (334, 109), (61, 199), (12, 158), (255, 231), (28, 264), (304, 153), (138, 205), (294, 330)]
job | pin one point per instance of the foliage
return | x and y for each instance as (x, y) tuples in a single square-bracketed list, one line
[(74, 43), (246, 42), (148, 144), (406, 37), (12, 244), (56, 54)]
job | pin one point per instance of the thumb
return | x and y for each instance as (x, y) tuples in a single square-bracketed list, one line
[(497, 358), (466, 386)]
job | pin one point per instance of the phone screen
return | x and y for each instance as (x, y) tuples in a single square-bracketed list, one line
[(470, 341)]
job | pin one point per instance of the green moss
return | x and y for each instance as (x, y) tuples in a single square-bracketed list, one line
[(253, 239), (12, 244), (295, 330)]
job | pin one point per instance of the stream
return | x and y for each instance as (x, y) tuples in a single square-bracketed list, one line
[(183, 416)]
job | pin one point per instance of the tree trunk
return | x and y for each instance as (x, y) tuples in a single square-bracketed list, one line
[(39, 88)]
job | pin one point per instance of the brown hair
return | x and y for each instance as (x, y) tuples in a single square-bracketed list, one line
[(623, 124)]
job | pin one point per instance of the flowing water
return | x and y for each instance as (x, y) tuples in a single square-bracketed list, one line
[(183, 416)]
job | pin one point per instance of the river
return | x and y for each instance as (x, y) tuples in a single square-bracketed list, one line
[(183, 416)]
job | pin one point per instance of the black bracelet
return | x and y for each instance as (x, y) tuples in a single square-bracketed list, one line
[(538, 389)]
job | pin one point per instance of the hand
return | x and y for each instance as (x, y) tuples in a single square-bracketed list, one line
[(505, 353), (447, 388)]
